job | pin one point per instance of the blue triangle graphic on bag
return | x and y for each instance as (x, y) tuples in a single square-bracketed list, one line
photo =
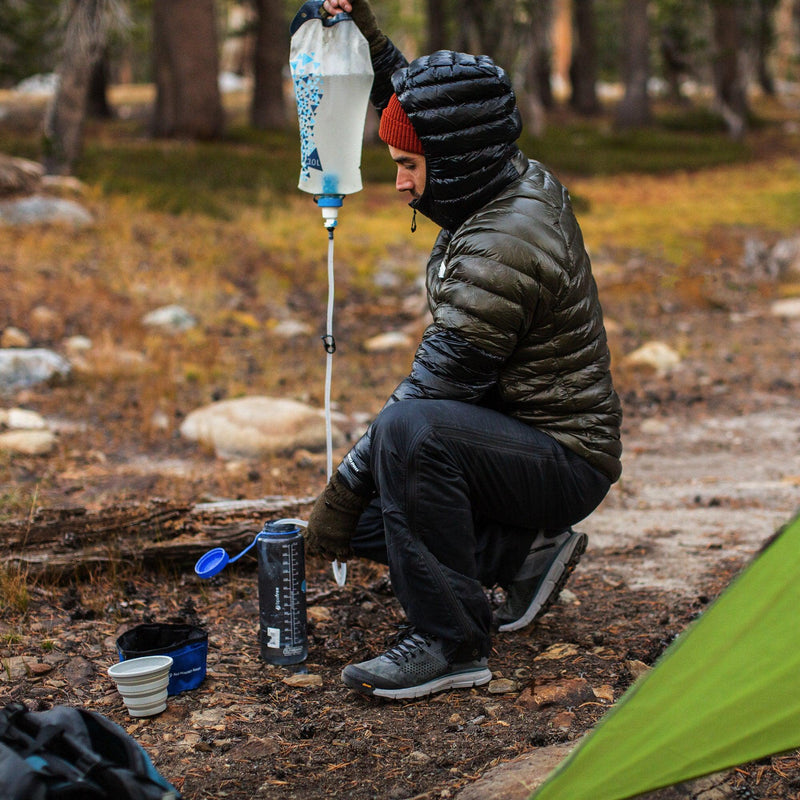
[(313, 161)]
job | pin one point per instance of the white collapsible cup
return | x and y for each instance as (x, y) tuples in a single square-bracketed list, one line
[(143, 682)]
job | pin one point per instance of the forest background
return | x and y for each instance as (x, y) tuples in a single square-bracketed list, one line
[(554, 49)]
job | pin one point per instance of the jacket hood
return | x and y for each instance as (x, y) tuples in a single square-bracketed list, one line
[(465, 113)]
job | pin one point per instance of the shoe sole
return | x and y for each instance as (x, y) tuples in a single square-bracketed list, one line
[(457, 680), (560, 570)]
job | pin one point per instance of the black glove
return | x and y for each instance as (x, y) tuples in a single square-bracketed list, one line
[(333, 520), (364, 18)]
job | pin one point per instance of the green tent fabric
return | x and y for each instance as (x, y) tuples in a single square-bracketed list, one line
[(726, 692)]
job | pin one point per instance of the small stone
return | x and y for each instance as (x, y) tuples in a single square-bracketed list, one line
[(39, 209), (250, 427), (567, 693), (384, 342), (45, 322), (21, 368), (291, 328), (654, 427), (29, 443), (159, 420), (207, 717), (14, 668), (654, 355), (78, 671), (304, 680), (14, 337), (418, 757), (503, 686), (173, 319), (24, 419), (789, 307), (73, 345)]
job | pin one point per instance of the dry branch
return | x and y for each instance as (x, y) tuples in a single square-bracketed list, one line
[(62, 542)]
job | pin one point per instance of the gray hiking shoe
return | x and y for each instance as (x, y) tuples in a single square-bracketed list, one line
[(415, 667), (540, 579)]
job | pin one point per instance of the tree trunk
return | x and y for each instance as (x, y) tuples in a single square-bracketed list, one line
[(97, 105), (731, 96), (437, 31), (765, 41), (268, 107), (634, 109), (535, 94), (483, 26), (188, 101), (583, 69), (85, 36)]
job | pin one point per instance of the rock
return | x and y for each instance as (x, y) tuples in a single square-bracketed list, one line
[(23, 367), (159, 420), (290, 328), (40, 209), (172, 319), (108, 359), (250, 427), (567, 693), (14, 337), (788, 307), (208, 718), (22, 419), (45, 323), (655, 355), (78, 671), (517, 779), (503, 686), (392, 340), (654, 427), (19, 175), (29, 443), (75, 345), (306, 680), (15, 668), (63, 184)]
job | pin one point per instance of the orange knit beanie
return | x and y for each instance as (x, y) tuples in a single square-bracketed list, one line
[(396, 128)]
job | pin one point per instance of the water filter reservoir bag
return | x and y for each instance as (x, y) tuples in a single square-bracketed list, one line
[(332, 75)]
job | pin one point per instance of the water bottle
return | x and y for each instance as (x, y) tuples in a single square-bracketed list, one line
[(282, 593)]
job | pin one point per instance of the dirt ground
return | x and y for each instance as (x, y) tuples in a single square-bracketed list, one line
[(711, 471)]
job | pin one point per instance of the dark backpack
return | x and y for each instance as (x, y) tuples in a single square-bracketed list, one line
[(73, 754)]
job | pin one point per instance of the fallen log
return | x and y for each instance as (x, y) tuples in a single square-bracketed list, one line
[(60, 543)]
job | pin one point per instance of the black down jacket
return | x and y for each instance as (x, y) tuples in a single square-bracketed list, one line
[(517, 324)]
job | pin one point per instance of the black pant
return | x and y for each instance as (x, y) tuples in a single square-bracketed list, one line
[(462, 491)]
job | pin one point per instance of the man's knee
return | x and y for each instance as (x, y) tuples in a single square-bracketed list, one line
[(399, 422)]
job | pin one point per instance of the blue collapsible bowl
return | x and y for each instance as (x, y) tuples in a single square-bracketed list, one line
[(186, 644)]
